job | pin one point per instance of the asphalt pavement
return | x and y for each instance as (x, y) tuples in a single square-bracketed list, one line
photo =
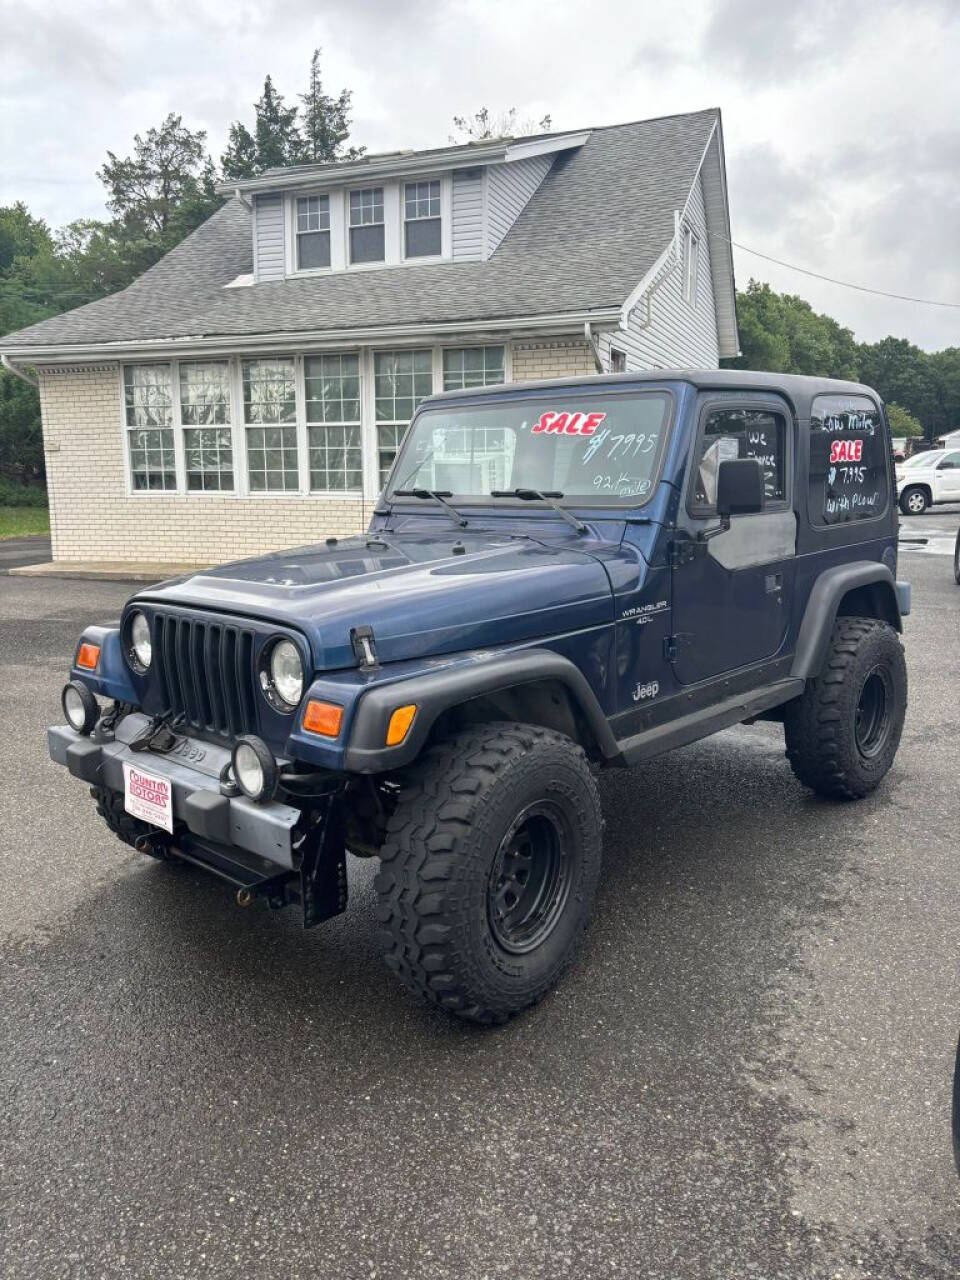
[(747, 1073)]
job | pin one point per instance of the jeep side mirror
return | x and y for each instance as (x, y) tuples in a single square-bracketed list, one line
[(740, 488)]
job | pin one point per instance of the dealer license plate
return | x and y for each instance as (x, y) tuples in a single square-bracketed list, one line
[(148, 797)]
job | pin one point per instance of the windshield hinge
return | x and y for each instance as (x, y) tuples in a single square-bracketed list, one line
[(364, 647)]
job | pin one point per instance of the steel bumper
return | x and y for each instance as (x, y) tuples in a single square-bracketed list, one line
[(194, 771)]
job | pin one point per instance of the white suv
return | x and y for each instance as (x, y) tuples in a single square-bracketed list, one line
[(927, 478)]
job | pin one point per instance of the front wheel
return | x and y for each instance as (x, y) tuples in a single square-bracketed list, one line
[(914, 502), (842, 733), (956, 559), (489, 869)]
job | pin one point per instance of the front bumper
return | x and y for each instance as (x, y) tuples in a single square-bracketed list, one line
[(194, 770)]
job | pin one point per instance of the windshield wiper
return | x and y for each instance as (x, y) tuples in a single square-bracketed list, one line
[(538, 495), (440, 495)]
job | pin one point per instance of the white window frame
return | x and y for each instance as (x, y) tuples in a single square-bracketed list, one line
[(295, 258), (369, 440), (691, 266), (385, 218), (394, 241)]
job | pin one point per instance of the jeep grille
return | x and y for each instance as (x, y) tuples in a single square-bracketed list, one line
[(205, 673)]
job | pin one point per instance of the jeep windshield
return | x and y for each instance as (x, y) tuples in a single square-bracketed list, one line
[(596, 448)]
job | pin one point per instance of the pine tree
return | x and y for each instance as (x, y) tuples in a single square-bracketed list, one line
[(239, 160), (326, 122), (278, 141)]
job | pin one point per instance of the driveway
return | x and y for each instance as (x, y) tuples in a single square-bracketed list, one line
[(747, 1073), (15, 552)]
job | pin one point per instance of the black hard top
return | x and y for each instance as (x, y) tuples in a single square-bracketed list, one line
[(798, 389)]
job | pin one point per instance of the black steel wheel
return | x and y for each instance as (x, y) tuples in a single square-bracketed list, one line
[(489, 869), (873, 721), (956, 559)]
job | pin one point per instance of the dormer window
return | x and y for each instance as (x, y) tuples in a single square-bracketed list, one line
[(366, 225), (421, 219), (313, 232)]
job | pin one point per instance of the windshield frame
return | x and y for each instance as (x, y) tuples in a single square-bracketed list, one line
[(585, 501)]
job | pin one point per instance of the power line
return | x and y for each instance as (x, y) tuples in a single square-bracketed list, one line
[(844, 284)]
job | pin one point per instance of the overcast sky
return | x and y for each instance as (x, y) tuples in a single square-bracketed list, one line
[(840, 116)]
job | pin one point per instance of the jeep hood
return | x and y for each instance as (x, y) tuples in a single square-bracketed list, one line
[(422, 594)]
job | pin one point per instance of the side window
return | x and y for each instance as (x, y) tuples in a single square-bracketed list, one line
[(741, 433), (848, 460), (950, 463)]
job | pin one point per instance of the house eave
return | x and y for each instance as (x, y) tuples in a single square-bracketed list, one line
[(527, 326), (404, 164)]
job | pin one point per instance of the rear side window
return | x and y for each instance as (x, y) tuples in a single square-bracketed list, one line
[(741, 433), (848, 460)]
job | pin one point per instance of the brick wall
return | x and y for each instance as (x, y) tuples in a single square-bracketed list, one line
[(551, 360), (92, 518)]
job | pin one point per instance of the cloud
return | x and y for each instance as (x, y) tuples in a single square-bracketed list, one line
[(838, 118)]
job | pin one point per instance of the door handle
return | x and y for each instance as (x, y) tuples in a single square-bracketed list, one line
[(773, 583)]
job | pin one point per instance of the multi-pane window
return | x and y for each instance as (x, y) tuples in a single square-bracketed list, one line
[(332, 386), (270, 414), (313, 232), (148, 396), (472, 367), (205, 417), (366, 225), (401, 380), (421, 219)]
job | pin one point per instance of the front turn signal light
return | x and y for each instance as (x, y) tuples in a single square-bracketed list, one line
[(324, 718), (88, 655), (400, 722)]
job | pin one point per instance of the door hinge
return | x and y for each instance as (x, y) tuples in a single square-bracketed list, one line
[(673, 644), (681, 551)]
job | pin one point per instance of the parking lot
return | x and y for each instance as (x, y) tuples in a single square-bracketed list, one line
[(747, 1073)]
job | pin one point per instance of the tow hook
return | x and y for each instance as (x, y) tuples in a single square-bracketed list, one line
[(157, 846), (273, 888)]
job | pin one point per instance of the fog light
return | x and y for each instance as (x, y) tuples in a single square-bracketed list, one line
[(255, 768), (400, 722), (79, 706)]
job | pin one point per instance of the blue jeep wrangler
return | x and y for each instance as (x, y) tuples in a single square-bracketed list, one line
[(558, 577)]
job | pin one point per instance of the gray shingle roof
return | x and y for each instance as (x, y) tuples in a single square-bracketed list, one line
[(599, 220)]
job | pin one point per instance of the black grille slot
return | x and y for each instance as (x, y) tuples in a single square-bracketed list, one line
[(204, 673)]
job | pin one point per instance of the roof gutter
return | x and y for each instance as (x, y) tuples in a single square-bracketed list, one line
[(18, 373), (534, 326)]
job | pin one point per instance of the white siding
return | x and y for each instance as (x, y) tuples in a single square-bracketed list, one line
[(509, 187), (663, 331), (467, 237), (268, 237)]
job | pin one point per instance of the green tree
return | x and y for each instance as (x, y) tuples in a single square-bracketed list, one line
[(277, 137), (782, 332), (903, 423), (163, 190), (21, 438), (239, 160), (325, 124), (902, 373)]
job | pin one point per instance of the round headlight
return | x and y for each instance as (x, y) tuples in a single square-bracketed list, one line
[(286, 672), (140, 640), (254, 768), (79, 706)]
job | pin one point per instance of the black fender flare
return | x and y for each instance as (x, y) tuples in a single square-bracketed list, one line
[(824, 602), (436, 691)]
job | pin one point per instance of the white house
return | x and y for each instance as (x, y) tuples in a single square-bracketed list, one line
[(249, 391)]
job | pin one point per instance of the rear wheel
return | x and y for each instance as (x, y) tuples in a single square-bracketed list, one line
[(914, 501), (489, 869), (956, 559), (842, 733)]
